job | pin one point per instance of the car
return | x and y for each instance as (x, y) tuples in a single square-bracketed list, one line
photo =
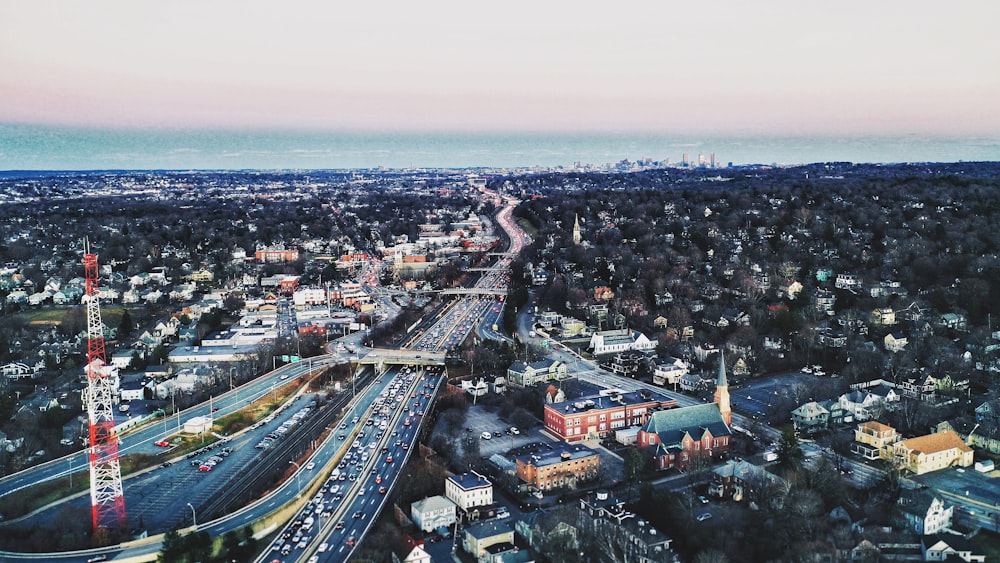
[(486, 436), (702, 499), (339, 525), (358, 514), (166, 464), (405, 447), (497, 434), (313, 559), (704, 516), (283, 377), (388, 459), (349, 542), (382, 490), (514, 430), (162, 444), (310, 466), (204, 467), (96, 558), (406, 422)]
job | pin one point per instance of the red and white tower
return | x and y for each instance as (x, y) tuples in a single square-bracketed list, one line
[(107, 497)]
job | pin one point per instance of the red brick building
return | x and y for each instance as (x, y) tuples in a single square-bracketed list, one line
[(677, 436), (598, 416)]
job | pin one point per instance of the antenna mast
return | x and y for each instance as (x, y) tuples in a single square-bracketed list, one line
[(107, 497)]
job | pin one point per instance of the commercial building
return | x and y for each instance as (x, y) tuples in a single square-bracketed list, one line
[(562, 465), (597, 416), (468, 490)]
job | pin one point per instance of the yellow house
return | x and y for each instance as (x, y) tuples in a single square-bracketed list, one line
[(932, 452), (873, 440)]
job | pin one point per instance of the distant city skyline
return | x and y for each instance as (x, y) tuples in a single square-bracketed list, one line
[(774, 67)]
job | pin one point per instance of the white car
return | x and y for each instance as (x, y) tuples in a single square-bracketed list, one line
[(310, 466), (486, 436)]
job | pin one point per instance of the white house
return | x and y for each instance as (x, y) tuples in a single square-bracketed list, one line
[(670, 371), (432, 513), (926, 513)]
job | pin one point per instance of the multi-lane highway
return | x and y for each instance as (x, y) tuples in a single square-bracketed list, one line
[(373, 445)]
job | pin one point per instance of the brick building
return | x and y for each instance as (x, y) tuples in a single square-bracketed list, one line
[(597, 416)]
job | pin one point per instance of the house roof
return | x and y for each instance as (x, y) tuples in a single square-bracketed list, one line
[(469, 481), (875, 427), (937, 442), (672, 424), (489, 529), (810, 409), (431, 504)]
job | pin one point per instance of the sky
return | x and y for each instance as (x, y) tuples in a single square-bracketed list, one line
[(771, 66)]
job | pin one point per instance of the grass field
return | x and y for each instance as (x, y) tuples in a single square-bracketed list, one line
[(111, 316)]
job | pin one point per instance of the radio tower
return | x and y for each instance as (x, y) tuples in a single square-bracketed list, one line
[(107, 498)]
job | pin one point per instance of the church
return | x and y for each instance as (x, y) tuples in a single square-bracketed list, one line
[(675, 437)]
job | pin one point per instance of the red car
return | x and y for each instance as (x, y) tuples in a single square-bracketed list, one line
[(388, 459), (163, 444)]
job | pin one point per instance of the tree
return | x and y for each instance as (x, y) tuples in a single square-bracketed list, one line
[(789, 452), (125, 325), (172, 548)]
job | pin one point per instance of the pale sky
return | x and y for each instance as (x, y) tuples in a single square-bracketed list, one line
[(782, 67)]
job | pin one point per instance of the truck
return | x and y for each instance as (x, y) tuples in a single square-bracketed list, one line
[(770, 455)]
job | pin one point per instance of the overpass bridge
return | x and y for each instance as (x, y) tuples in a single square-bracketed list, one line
[(393, 356), (496, 292)]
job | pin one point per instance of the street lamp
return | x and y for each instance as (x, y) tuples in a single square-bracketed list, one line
[(194, 516), (298, 478)]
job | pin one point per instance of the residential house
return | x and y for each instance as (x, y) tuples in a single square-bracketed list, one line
[(849, 282), (950, 547), (917, 387), (622, 532), (433, 512), (479, 537), (669, 371), (932, 452), (874, 440), (984, 435), (895, 342), (925, 512), (865, 404), (522, 374), (740, 479), (412, 551), (824, 301), (554, 394), (810, 417), (830, 338), (883, 316), (953, 321)]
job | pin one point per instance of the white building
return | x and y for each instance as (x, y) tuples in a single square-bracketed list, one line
[(669, 372), (614, 341), (432, 513), (469, 490), (198, 425)]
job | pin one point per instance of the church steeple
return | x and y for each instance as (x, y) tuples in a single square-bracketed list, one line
[(576, 229), (722, 391)]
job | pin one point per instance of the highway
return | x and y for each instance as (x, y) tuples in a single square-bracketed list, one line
[(375, 475), (362, 471)]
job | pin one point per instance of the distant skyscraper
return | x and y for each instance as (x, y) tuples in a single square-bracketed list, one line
[(684, 159), (713, 160)]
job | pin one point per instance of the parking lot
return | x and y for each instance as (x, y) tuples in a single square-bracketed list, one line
[(479, 419)]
